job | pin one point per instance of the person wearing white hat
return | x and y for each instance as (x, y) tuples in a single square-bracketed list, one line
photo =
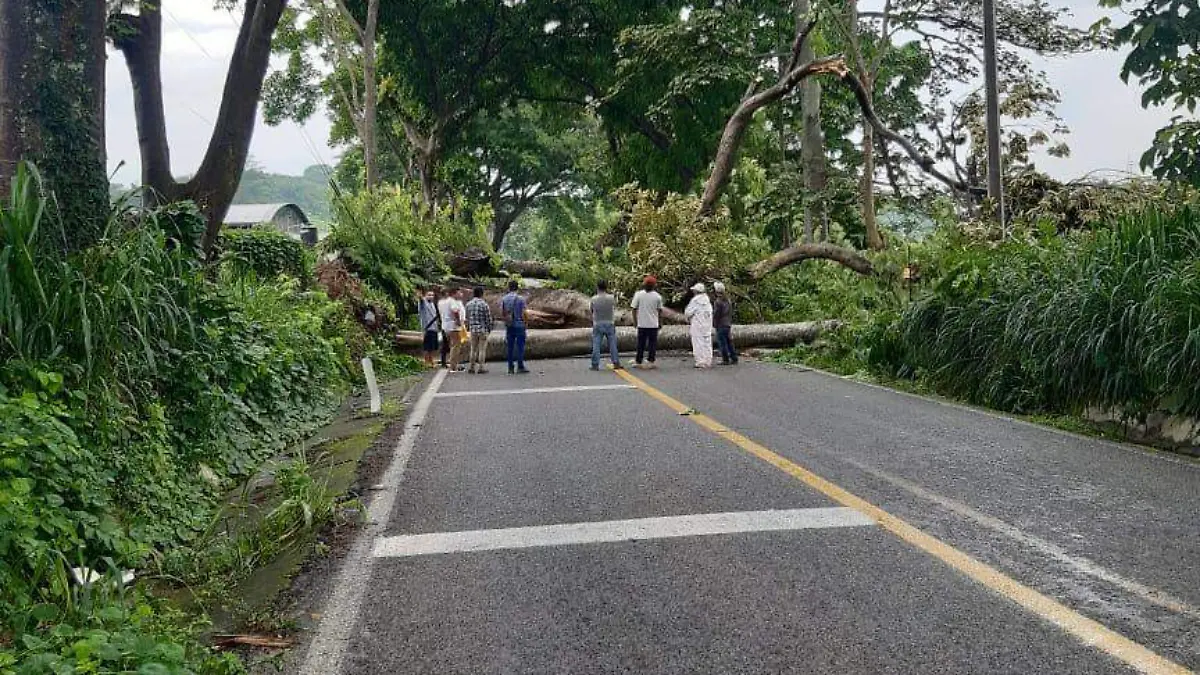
[(699, 313)]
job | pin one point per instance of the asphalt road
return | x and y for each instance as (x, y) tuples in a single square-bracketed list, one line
[(580, 524)]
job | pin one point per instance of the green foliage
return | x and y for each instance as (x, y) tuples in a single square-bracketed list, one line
[(388, 243), (1164, 58), (1037, 201), (53, 495), (266, 253), (222, 557), (668, 240), (1059, 323), (135, 391)]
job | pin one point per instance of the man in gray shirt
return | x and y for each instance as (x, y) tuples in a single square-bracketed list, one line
[(603, 308)]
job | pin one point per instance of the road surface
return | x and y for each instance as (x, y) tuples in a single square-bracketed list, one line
[(758, 519)]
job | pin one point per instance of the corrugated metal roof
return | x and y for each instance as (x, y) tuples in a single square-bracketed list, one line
[(254, 214)]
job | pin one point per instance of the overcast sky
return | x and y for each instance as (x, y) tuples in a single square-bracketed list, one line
[(1110, 130)]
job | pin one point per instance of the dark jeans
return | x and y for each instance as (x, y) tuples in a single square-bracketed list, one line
[(445, 349), (647, 338), (431, 341), (514, 338), (600, 332), (725, 344)]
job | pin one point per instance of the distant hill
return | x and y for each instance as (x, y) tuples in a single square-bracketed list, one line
[(309, 191)]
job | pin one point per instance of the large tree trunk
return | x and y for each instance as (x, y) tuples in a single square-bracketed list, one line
[(866, 185), (502, 223), (812, 142), (370, 96), (551, 344), (215, 182), (52, 107), (867, 189)]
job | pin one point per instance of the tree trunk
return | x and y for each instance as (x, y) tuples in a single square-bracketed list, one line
[(822, 251), (14, 88), (52, 107), (370, 96), (216, 181), (867, 188), (502, 223), (552, 344), (139, 39), (735, 127), (812, 143)]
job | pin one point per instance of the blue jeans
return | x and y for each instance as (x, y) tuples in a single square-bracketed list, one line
[(599, 332), (514, 338), (725, 344)]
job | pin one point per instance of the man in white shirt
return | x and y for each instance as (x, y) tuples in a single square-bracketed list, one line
[(453, 315), (647, 316)]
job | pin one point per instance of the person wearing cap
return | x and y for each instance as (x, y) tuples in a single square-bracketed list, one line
[(699, 313), (647, 317), (723, 322)]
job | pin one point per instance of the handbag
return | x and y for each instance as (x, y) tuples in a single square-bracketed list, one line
[(463, 335)]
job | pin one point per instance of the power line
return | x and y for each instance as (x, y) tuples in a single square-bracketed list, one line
[(187, 33)]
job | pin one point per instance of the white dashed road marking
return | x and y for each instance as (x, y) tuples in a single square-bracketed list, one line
[(617, 531), (532, 390)]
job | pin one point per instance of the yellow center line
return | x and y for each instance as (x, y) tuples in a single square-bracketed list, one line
[(1085, 630)]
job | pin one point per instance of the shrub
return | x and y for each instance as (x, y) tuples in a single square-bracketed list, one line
[(266, 253), (389, 244), (1106, 318)]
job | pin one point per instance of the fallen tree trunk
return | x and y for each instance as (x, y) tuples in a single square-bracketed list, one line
[(475, 262), (551, 344), (561, 308)]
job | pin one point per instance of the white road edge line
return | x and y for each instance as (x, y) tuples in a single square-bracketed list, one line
[(1078, 564), (1145, 451), (618, 530), (324, 656), (532, 390)]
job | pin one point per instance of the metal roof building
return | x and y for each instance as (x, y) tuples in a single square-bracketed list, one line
[(287, 218)]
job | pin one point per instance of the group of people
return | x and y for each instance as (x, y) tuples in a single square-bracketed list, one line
[(468, 326), (455, 326), (704, 314)]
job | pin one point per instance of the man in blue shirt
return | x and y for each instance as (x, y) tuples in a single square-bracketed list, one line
[(513, 306)]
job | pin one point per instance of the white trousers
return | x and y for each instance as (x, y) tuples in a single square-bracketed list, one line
[(702, 349)]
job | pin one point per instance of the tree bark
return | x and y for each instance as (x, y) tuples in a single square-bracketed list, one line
[(371, 96), (866, 185), (14, 88), (216, 181), (365, 112), (52, 107), (551, 344), (867, 189), (812, 143), (824, 251), (139, 39), (503, 222), (735, 128)]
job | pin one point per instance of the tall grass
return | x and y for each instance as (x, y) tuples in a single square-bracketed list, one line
[(1110, 318), (106, 309)]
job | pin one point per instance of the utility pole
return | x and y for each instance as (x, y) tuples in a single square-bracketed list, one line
[(992, 85)]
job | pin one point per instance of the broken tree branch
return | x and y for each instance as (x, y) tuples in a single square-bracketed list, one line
[(824, 251)]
